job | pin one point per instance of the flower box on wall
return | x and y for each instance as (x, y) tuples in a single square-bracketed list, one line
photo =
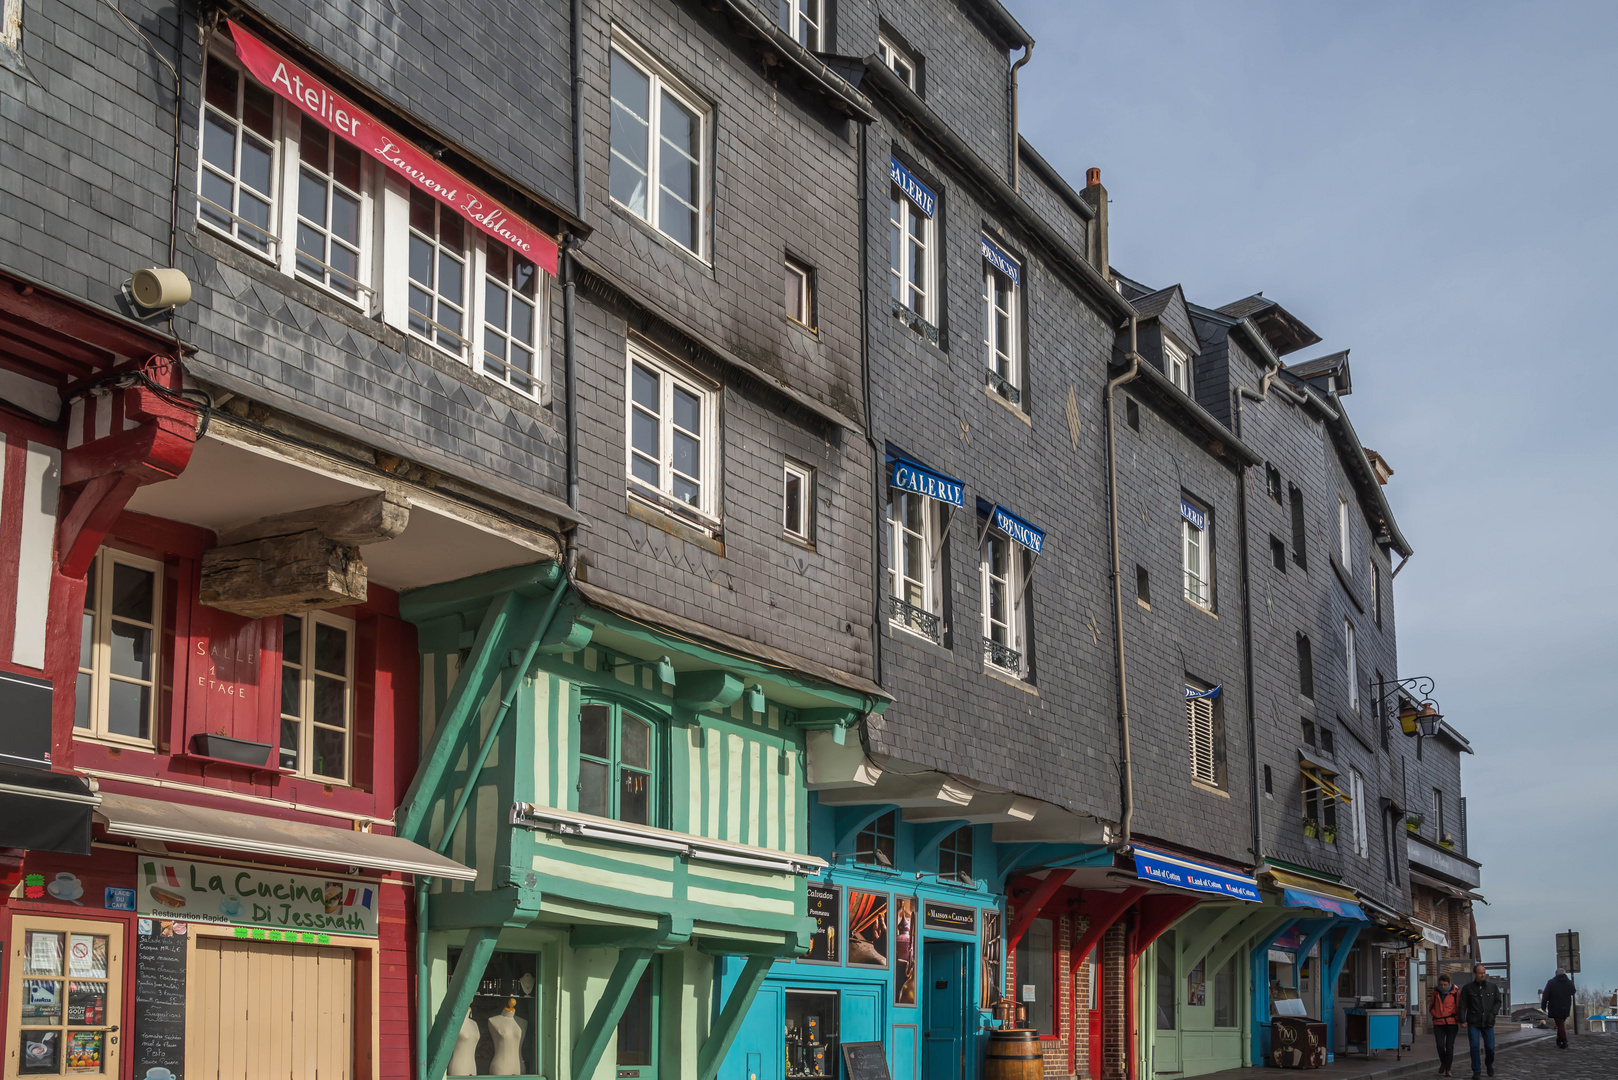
[(243, 753)]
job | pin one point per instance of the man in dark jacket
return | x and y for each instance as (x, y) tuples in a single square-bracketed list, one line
[(1480, 1004), (1557, 1001)]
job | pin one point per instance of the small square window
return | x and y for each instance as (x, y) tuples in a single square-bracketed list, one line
[(1309, 732), (898, 60), (798, 502), (1177, 365), (1278, 554), (1132, 414), (1272, 483), (1269, 782), (874, 845), (800, 293), (1328, 743)]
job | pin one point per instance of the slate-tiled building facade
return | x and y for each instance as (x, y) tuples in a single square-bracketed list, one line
[(678, 675)]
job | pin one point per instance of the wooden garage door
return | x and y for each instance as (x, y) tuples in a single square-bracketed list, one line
[(270, 1012)]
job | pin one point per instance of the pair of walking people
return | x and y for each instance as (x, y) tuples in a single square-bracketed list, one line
[(1473, 1007)]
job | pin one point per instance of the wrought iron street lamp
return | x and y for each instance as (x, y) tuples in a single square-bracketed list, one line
[(1420, 717)]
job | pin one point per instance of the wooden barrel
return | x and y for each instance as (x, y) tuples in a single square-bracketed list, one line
[(1014, 1054)]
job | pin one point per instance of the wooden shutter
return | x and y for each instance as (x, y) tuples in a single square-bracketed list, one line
[(271, 1012), (1199, 718)]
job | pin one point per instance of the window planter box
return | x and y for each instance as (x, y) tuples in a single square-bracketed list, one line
[(1311, 828), (242, 753)]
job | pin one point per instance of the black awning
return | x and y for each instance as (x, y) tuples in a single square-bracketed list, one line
[(45, 811)]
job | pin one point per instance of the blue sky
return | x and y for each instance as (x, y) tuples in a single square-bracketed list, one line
[(1432, 186)]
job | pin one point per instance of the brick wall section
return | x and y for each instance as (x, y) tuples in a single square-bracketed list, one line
[(1115, 1033)]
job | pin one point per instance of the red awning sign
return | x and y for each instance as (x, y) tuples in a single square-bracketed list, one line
[(337, 114)]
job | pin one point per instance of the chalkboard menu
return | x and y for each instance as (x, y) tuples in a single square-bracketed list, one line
[(159, 1042), (865, 1061)]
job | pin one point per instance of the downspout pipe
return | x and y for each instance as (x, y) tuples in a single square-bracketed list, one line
[(1011, 94), (877, 458), (1126, 769)]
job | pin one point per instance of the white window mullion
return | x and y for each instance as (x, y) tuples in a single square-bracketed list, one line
[(291, 167)]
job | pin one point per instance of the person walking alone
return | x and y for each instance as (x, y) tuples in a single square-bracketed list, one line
[(1480, 1004), (1557, 1001), (1443, 1005)]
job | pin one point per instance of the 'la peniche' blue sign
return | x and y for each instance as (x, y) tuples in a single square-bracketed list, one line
[(1019, 531), (908, 476), (1183, 873), (1000, 260), (914, 190), (1197, 518)]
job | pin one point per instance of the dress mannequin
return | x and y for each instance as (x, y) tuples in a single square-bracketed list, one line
[(507, 1029), (464, 1060)]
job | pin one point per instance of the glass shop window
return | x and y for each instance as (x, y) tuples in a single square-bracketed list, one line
[(1167, 983), (66, 978), (615, 762), (500, 1034), (1036, 976), (811, 1034), (637, 1030), (1225, 996)]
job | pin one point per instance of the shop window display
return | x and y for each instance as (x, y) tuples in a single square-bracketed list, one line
[(811, 1034), (499, 1036)]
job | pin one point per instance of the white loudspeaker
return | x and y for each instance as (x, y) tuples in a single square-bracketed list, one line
[(160, 287)]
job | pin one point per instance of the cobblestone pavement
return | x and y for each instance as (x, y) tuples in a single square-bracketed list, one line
[(1588, 1057)]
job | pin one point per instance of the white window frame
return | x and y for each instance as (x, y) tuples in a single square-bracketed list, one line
[(1003, 358), (899, 61), (1376, 592), (1202, 746), (931, 540), (899, 276), (306, 699), (800, 25), (1350, 665), (660, 83), (662, 496), (276, 196), (1013, 582), (1356, 791), (802, 279), (802, 530), (11, 24), (100, 669), (1196, 563), (1343, 535), (1177, 365)]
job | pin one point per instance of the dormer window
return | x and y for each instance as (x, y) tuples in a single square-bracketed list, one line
[(898, 60), (1177, 365)]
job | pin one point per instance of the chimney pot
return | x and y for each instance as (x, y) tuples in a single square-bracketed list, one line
[(1092, 177)]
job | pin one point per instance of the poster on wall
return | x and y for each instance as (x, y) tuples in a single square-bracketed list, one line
[(1196, 985), (826, 908), (904, 950), (868, 929), (992, 961), (256, 896)]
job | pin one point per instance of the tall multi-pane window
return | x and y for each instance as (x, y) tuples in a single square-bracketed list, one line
[(317, 695), (798, 501), (800, 293), (658, 136), (955, 857), (804, 20), (236, 188), (1351, 665), (510, 318), (1300, 533), (1362, 835), (874, 845), (1306, 667), (913, 564), (910, 259), (1002, 604), (1167, 955), (116, 689), (1000, 345), (438, 277), (330, 206), (671, 436), (615, 764), (1376, 593), (1177, 365), (1224, 996), (1438, 814), (1197, 561), (1342, 534)]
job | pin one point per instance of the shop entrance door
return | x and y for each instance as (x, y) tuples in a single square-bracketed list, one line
[(265, 1012), (944, 1010), (65, 997)]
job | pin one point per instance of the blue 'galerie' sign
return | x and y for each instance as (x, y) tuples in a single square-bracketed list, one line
[(916, 191), (1018, 530), (1000, 260), (1197, 518), (908, 476)]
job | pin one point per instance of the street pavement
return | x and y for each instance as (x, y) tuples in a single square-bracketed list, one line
[(1588, 1057)]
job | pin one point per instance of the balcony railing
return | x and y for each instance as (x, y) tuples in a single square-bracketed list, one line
[(999, 385), (915, 619), (1002, 656)]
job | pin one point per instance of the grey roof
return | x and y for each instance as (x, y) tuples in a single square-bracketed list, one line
[(1153, 304), (1335, 364), (1285, 332), (1004, 24)]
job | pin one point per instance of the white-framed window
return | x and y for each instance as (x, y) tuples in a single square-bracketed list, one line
[(1177, 364), (798, 501), (438, 275), (1351, 665), (800, 293), (317, 696), (911, 257), (1342, 534), (804, 21), (1001, 348), (241, 150), (659, 135), (1196, 559), (899, 61), (512, 289), (1356, 792), (333, 218), (914, 536), (673, 436), (1201, 736), (1376, 593), (1000, 565), (116, 692)]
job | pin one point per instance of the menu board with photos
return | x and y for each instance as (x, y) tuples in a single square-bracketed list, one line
[(158, 1043)]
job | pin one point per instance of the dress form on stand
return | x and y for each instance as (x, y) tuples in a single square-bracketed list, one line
[(507, 1029), (464, 1060)]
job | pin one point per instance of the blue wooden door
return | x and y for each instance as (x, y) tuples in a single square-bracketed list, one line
[(943, 1010)]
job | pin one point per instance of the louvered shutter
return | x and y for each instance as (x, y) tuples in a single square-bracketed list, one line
[(1199, 720)]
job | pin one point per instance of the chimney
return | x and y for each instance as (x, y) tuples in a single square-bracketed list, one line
[(1096, 248)]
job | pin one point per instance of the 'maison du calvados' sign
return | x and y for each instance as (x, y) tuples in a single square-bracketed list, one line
[(256, 896), (337, 114)]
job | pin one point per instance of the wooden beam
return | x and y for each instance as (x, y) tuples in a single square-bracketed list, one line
[(599, 1028), (723, 1033), (463, 984), (283, 575), (1157, 914), (1029, 910), (1103, 909), (1223, 923), (1259, 922), (86, 524), (367, 520)]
